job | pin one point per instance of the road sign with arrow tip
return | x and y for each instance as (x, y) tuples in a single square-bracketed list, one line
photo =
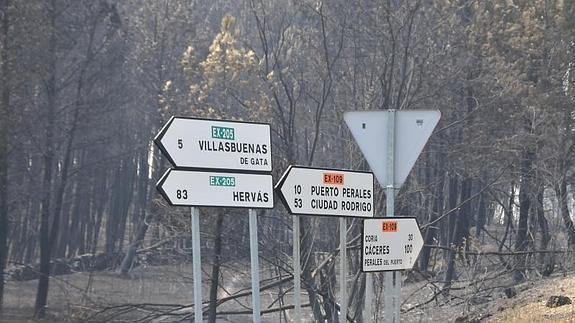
[(390, 244), (329, 192), (215, 144), (199, 188)]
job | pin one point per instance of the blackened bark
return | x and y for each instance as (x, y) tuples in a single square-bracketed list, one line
[(508, 222), (4, 123), (44, 280), (309, 264), (80, 210), (524, 204), (99, 202), (453, 195), (437, 210), (327, 284), (143, 216), (465, 214), (54, 230), (545, 260), (131, 253), (128, 173), (561, 192), (113, 222), (481, 216), (461, 230)]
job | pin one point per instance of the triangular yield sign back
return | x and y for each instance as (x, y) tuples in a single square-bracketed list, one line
[(412, 129)]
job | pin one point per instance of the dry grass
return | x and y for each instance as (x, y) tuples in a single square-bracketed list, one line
[(73, 299), (529, 305), (72, 296)]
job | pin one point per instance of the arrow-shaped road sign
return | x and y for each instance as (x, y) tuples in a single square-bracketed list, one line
[(199, 188), (412, 129), (330, 192), (390, 244), (214, 144)]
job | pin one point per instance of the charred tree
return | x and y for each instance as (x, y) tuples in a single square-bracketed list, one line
[(525, 169), (48, 160), (4, 139), (437, 210)]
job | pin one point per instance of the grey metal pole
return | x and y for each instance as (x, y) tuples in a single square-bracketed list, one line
[(367, 313), (343, 272), (197, 265), (296, 270), (397, 292), (255, 266), (391, 290)]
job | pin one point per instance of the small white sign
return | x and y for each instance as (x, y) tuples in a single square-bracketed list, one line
[(390, 244), (198, 188), (214, 144), (331, 192)]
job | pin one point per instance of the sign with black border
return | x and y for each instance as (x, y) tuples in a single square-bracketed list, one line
[(327, 192), (390, 243), (195, 143)]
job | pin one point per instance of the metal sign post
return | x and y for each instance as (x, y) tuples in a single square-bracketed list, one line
[(197, 265), (392, 280), (255, 266), (367, 313), (324, 192), (296, 270), (342, 268), (218, 163), (404, 134), (390, 244)]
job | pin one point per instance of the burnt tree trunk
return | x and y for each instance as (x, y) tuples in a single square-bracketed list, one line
[(545, 260), (143, 216), (309, 264), (481, 216), (460, 232), (452, 197), (4, 124), (562, 198), (508, 211), (44, 280), (437, 210), (526, 165)]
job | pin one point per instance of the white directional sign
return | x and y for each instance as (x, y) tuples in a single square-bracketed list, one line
[(201, 143), (390, 244), (198, 188), (317, 191), (412, 129)]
